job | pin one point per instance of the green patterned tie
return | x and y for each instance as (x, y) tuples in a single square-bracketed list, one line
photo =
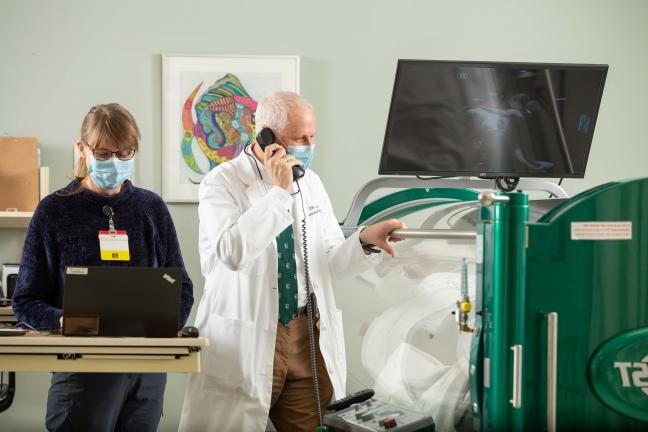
[(287, 276)]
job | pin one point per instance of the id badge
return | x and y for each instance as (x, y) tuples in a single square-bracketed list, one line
[(114, 246)]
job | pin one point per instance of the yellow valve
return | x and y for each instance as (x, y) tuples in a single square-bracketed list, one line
[(465, 306)]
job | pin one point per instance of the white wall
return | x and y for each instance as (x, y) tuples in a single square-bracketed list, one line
[(58, 58)]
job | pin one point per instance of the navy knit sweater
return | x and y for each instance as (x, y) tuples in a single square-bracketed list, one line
[(64, 232)]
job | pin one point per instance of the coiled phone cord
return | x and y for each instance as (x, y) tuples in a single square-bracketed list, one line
[(310, 316), (309, 302)]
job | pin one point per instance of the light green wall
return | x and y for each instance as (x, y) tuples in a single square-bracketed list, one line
[(58, 58)]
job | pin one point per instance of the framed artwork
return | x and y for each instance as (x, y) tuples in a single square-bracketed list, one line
[(208, 102)]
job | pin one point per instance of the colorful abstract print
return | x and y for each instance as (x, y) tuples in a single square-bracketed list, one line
[(225, 123)]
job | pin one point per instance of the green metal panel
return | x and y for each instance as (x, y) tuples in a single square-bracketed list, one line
[(618, 373), (599, 289), (500, 306), (477, 346), (428, 197)]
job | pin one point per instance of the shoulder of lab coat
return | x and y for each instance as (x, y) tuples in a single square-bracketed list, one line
[(233, 231), (346, 257)]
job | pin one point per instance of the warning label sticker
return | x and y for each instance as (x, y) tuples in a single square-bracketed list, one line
[(601, 231)]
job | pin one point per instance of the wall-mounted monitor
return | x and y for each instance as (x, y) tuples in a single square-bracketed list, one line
[(452, 118)]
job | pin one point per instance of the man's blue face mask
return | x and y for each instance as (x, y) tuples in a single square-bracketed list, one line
[(111, 173), (303, 153)]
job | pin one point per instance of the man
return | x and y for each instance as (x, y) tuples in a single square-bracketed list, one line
[(253, 308)]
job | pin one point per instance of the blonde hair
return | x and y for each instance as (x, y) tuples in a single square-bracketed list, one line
[(107, 123)]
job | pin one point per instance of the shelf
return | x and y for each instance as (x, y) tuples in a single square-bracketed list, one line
[(15, 219), (21, 219)]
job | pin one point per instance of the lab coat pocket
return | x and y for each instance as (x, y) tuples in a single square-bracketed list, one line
[(339, 335), (230, 355)]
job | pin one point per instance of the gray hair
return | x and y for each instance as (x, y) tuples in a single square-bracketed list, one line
[(272, 111)]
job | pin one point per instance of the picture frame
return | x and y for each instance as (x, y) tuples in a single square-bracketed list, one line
[(208, 104)]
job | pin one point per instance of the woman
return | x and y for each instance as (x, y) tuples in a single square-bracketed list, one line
[(64, 232)]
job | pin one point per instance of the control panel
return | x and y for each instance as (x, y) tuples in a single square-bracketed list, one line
[(374, 415)]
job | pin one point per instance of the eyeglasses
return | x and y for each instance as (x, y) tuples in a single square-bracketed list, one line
[(104, 154)]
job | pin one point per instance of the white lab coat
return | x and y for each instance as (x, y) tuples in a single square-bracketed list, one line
[(240, 216)]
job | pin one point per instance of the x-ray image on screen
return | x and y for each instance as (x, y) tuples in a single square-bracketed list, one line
[(491, 119)]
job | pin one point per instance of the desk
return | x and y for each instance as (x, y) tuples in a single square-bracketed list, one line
[(55, 353), (6, 314)]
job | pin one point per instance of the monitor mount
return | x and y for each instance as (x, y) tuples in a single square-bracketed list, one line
[(507, 184)]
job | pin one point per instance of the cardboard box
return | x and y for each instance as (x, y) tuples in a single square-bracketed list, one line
[(19, 182)]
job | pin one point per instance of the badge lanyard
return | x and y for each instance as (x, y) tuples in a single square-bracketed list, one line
[(113, 244)]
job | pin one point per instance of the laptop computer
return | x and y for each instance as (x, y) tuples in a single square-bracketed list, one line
[(121, 301)]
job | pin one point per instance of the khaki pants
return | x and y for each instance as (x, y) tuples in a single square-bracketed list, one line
[(292, 407)]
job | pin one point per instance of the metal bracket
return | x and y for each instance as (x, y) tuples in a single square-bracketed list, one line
[(68, 356)]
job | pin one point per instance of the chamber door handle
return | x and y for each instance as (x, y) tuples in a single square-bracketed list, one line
[(552, 369), (516, 401)]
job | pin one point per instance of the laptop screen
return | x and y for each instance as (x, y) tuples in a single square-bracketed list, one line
[(122, 301)]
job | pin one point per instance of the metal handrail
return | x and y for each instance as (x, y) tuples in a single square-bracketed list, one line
[(516, 400), (552, 369), (398, 182), (434, 234)]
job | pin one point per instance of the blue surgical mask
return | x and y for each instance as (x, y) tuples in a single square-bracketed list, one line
[(111, 173), (303, 153)]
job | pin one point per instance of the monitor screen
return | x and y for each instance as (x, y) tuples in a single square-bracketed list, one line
[(491, 119)]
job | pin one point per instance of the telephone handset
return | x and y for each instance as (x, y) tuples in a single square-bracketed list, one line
[(267, 137)]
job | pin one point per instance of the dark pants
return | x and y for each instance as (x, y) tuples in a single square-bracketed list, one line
[(105, 402)]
